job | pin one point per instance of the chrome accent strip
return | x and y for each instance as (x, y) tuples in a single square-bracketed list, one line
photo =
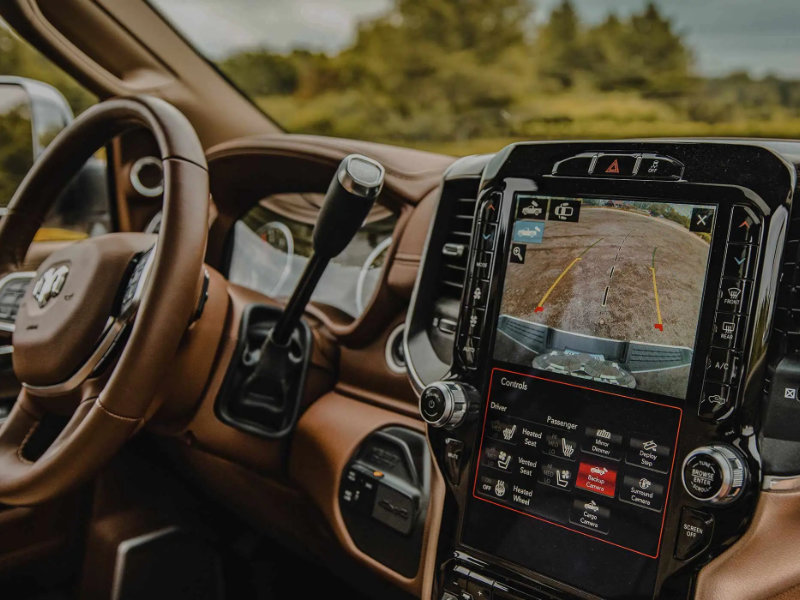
[(393, 365), (362, 274), (136, 182), (114, 328), (364, 188), (781, 483), (30, 276)]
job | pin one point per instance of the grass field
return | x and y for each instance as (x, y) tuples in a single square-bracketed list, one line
[(576, 115)]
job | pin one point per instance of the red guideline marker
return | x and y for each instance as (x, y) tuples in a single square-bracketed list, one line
[(539, 309), (659, 326)]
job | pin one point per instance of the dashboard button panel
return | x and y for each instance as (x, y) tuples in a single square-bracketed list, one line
[(562, 455)]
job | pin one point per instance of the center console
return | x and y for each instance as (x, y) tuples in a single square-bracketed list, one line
[(598, 424)]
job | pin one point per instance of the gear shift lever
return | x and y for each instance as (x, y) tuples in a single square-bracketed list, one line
[(349, 198), (273, 389)]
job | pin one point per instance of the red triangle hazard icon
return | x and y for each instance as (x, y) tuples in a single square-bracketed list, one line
[(613, 167)]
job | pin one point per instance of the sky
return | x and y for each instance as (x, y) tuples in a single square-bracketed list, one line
[(759, 36)]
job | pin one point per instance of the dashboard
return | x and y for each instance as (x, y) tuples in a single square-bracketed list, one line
[(271, 245), (599, 415), (599, 336)]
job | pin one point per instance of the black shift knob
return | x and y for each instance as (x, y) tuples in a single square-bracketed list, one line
[(350, 196)]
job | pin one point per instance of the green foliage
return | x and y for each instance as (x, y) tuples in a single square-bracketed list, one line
[(472, 75), (16, 149), (18, 58)]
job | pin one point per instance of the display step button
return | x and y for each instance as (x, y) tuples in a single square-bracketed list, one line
[(591, 515)]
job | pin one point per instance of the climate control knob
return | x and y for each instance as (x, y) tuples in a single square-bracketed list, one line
[(715, 474), (445, 403)]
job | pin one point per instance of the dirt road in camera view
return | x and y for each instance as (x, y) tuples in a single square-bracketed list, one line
[(615, 274)]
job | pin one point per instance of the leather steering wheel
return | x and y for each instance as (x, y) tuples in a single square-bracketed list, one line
[(98, 326)]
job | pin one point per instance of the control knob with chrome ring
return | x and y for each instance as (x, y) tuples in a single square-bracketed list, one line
[(445, 403), (715, 474)]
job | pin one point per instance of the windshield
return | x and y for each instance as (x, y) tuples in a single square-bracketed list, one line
[(464, 76)]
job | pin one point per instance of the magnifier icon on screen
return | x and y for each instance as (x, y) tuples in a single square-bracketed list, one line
[(517, 252)]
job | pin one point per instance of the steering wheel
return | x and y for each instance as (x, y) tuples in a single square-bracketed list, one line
[(98, 326)]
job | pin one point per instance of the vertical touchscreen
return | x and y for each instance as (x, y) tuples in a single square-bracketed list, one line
[(605, 290)]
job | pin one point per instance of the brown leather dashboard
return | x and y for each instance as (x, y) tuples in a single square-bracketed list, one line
[(351, 391)]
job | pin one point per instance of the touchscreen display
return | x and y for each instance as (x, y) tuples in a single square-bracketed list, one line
[(605, 290)]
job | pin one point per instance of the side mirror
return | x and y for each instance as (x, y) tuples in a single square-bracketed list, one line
[(31, 115)]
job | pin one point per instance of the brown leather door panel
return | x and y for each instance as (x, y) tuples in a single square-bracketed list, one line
[(763, 564)]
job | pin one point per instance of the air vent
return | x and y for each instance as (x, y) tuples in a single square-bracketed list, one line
[(456, 215), (786, 338), (455, 250), (786, 325)]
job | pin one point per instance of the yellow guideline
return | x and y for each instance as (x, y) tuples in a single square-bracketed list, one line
[(555, 283), (659, 325)]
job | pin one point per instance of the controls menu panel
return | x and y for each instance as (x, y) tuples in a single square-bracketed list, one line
[(597, 463)]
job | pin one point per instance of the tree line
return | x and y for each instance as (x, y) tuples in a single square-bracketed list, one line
[(460, 69)]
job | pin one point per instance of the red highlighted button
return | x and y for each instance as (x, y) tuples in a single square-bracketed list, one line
[(600, 480)]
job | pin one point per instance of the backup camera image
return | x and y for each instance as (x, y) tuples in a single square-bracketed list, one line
[(606, 290)]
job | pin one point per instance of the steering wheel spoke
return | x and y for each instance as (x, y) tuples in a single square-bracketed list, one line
[(103, 317)]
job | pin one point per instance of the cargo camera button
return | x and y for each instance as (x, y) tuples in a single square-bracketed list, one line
[(591, 515), (649, 453)]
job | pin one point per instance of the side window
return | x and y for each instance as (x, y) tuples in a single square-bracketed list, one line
[(37, 101)]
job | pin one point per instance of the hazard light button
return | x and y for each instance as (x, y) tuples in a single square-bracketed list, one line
[(614, 165)]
